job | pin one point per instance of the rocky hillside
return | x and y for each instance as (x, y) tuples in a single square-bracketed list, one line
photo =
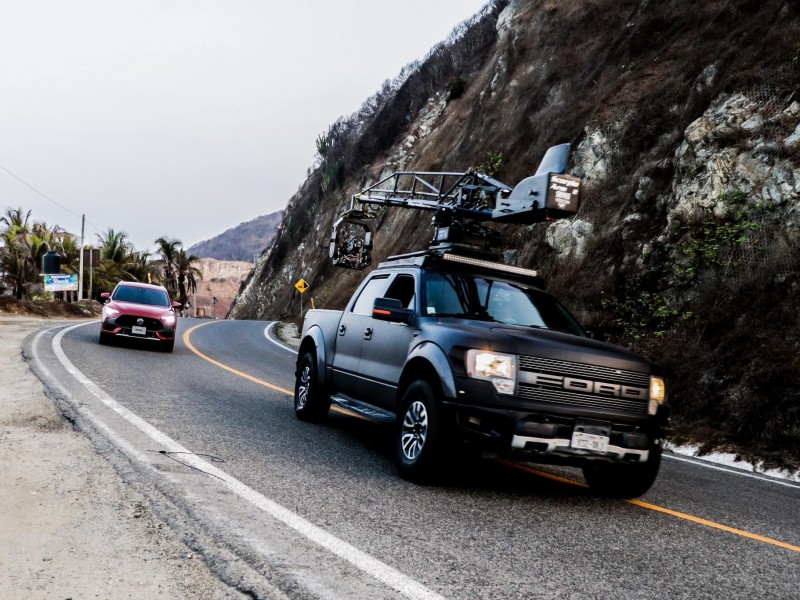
[(685, 123), (220, 279), (243, 242)]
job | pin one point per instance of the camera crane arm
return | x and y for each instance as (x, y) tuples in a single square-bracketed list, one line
[(461, 201)]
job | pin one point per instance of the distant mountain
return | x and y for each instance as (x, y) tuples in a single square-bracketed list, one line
[(242, 242)]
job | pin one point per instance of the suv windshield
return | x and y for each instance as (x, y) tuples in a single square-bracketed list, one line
[(129, 293), (487, 299)]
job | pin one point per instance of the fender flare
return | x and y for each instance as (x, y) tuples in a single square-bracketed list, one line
[(438, 359), (314, 337)]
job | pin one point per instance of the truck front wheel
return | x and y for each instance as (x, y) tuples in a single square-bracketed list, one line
[(623, 480), (311, 402), (419, 441)]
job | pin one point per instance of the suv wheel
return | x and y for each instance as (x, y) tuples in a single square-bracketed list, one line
[(419, 443), (623, 481), (311, 402)]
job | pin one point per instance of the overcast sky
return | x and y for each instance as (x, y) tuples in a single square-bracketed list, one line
[(187, 117)]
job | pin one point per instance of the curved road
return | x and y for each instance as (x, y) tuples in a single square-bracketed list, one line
[(318, 511)]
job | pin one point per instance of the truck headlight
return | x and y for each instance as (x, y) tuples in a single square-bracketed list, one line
[(500, 369), (658, 393)]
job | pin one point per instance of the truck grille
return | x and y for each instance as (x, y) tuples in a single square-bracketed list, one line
[(550, 392)]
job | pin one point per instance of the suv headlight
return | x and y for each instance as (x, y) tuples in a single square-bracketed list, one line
[(500, 369), (109, 312), (168, 320), (658, 393)]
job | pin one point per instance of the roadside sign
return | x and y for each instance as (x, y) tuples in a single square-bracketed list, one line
[(301, 286), (60, 283)]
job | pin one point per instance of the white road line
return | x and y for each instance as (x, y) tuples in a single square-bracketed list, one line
[(361, 560), (731, 470), (274, 341)]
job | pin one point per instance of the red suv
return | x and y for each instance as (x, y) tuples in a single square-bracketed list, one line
[(139, 311)]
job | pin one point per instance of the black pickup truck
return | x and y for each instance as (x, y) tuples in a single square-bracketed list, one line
[(463, 354)]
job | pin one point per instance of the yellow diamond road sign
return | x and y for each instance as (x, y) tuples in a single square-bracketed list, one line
[(301, 286)]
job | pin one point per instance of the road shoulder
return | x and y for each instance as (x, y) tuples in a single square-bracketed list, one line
[(69, 526)]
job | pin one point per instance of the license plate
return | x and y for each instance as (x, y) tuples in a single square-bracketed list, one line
[(589, 441), (136, 330)]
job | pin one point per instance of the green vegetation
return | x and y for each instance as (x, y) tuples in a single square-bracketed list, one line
[(638, 313), (492, 164), (24, 242), (708, 242)]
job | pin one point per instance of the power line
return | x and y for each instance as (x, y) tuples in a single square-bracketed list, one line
[(46, 197)]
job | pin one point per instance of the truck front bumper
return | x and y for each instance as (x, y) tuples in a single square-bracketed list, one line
[(545, 431)]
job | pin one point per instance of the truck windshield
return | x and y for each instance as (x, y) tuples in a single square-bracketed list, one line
[(487, 299)]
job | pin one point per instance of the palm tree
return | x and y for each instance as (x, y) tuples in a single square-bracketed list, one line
[(187, 275), (167, 250), (115, 259), (141, 268), (115, 247), (17, 268)]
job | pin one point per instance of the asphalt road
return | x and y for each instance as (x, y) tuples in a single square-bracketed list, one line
[(323, 514)]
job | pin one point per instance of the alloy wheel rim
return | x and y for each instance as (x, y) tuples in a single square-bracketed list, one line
[(415, 430), (304, 386)]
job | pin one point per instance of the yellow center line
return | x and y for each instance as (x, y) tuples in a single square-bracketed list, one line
[(656, 508), (707, 523), (188, 342), (520, 467), (191, 347)]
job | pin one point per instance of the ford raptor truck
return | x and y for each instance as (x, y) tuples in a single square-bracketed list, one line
[(461, 353)]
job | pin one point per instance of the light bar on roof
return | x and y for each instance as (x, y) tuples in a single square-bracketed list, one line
[(476, 262)]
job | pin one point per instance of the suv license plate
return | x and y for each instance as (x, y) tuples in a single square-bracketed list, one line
[(136, 330), (589, 441)]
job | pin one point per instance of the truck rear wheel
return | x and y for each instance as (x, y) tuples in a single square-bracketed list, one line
[(311, 402), (623, 480), (419, 441)]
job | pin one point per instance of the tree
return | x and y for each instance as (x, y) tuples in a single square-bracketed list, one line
[(18, 268), (187, 275), (167, 250)]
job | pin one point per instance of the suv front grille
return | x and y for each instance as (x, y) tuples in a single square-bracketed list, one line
[(128, 321), (551, 391)]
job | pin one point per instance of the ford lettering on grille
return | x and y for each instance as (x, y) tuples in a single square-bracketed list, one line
[(574, 384)]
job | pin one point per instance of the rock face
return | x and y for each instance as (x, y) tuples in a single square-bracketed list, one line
[(220, 279), (688, 143)]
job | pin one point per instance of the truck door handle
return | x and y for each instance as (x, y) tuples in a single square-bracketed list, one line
[(368, 333), (342, 329)]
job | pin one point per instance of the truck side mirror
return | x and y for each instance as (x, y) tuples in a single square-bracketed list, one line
[(390, 309)]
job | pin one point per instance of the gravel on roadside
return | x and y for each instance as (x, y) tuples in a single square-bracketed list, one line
[(69, 526)]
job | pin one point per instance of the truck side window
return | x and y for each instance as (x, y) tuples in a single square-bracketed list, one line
[(402, 289), (441, 296), (374, 288)]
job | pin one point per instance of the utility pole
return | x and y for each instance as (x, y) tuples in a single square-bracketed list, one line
[(80, 267), (91, 268)]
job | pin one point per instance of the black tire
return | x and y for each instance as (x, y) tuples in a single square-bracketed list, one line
[(167, 346), (420, 445), (105, 339), (311, 400), (623, 480)]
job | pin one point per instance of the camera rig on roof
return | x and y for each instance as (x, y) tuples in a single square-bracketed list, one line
[(461, 203)]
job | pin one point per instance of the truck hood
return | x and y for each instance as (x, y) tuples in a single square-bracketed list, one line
[(560, 346)]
